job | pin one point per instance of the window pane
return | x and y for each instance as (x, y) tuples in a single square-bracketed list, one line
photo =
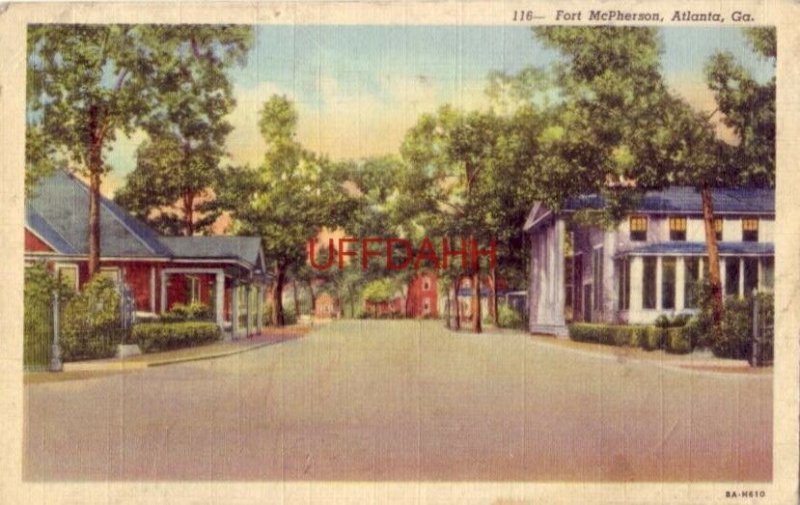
[(677, 228), (768, 272), (649, 284), (750, 275), (638, 226), (750, 230), (732, 277), (68, 276), (668, 283), (718, 228), (691, 278)]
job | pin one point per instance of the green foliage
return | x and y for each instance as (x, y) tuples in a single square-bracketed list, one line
[(154, 337), (507, 317), (735, 334), (677, 341), (90, 327), (195, 311), (653, 338), (664, 321), (378, 291), (608, 334), (38, 319)]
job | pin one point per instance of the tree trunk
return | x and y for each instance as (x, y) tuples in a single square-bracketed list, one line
[(94, 223), (714, 278), (276, 295), (476, 301), (188, 213), (313, 296), (296, 299), (456, 287), (493, 295)]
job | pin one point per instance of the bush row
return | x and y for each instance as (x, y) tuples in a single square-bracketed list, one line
[(153, 337), (672, 339)]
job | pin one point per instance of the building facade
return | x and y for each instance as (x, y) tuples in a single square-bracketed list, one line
[(226, 273), (650, 262)]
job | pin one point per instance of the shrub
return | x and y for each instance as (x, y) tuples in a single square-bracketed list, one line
[(38, 314), (507, 317), (91, 324), (653, 338), (609, 334), (676, 341), (195, 311), (154, 337), (734, 338), (695, 332)]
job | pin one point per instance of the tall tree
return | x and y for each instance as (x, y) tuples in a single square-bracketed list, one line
[(89, 83), (622, 124), (287, 200)]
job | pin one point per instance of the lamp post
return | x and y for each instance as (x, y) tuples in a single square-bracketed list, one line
[(55, 359)]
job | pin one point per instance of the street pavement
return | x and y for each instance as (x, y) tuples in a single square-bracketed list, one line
[(403, 400)]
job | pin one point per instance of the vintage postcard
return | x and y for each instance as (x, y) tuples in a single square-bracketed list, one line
[(400, 252)]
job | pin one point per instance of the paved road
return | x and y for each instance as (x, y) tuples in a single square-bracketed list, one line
[(403, 400)]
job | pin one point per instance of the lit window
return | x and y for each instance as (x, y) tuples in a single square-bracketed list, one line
[(718, 228), (750, 230), (638, 228), (677, 228), (110, 273)]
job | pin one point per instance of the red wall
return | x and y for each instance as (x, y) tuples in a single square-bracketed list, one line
[(35, 244)]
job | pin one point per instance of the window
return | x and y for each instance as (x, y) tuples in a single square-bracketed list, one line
[(426, 306), (677, 228), (731, 276), (668, 283), (718, 228), (638, 226), (68, 274), (750, 230), (597, 277), (110, 273), (649, 283), (568, 283), (690, 279), (750, 266), (768, 273), (623, 284), (426, 284)]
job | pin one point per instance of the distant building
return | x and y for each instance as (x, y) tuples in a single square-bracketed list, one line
[(649, 264)]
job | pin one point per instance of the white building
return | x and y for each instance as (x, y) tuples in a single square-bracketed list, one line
[(649, 263)]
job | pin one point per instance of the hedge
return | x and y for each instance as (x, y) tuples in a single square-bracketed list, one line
[(153, 337), (90, 328), (672, 339)]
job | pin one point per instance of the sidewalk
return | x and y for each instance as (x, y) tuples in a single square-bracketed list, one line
[(698, 360), (98, 368)]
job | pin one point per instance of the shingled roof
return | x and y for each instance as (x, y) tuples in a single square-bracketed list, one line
[(58, 213), (687, 200)]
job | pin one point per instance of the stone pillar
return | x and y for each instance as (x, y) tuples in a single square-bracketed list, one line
[(234, 308), (741, 278), (219, 298), (680, 284)]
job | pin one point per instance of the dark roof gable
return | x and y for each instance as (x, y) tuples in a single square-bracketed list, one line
[(687, 200)]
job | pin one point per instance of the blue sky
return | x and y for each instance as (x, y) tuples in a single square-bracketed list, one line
[(359, 88)]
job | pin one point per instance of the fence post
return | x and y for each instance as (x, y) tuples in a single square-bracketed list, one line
[(55, 358), (754, 356)]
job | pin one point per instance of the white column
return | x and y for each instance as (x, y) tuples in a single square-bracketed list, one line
[(260, 309), (659, 280), (558, 278), (248, 311), (234, 308), (741, 277), (680, 283), (637, 276), (722, 276), (152, 289), (219, 298), (164, 277)]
